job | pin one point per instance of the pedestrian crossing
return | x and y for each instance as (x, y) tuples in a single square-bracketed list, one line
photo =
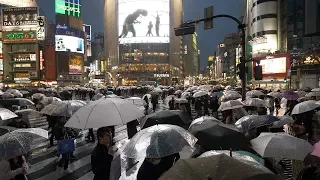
[(43, 161)]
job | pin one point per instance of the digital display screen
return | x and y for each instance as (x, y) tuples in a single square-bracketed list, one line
[(144, 21), (69, 44), (274, 66)]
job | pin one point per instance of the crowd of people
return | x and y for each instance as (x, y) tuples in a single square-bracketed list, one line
[(208, 102)]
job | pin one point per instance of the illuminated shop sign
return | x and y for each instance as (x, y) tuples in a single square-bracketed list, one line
[(17, 36), (19, 3), (41, 30), (69, 31), (68, 7)]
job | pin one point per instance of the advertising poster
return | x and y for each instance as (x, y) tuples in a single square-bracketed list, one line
[(68, 7), (268, 65), (69, 44), (17, 17), (75, 64), (144, 21)]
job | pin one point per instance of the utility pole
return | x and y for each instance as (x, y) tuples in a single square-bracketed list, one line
[(189, 28)]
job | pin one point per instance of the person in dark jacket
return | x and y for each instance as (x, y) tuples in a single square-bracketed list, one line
[(52, 121), (206, 106), (60, 133), (198, 107), (102, 155), (171, 103), (149, 170), (132, 128)]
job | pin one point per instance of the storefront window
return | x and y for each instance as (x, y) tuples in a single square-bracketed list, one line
[(14, 48)]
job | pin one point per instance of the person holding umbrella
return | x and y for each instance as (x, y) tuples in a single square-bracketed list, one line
[(102, 155), (15, 168)]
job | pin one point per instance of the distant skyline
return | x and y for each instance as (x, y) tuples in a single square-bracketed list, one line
[(92, 13)]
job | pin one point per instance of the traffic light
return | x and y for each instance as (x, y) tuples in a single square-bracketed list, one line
[(258, 72), (285, 80), (184, 29)]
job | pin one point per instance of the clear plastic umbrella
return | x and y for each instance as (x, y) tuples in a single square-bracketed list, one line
[(254, 93), (305, 107), (159, 141), (275, 94), (256, 102), (6, 114), (281, 145), (199, 94), (230, 95), (19, 142), (202, 123), (25, 102), (38, 96), (283, 121), (313, 94), (62, 108), (232, 104), (249, 122)]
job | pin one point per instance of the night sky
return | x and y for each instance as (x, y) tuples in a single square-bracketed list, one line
[(207, 39)]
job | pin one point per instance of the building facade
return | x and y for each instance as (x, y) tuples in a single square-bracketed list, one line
[(145, 52), (191, 56)]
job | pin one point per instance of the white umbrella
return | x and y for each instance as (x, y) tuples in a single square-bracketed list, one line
[(281, 145), (202, 123), (305, 107), (7, 95), (313, 94), (6, 114), (199, 94), (316, 90), (256, 102), (104, 112), (230, 95), (97, 96), (157, 90), (254, 93), (178, 92), (17, 94), (232, 104)]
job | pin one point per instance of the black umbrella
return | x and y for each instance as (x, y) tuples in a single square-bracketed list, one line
[(173, 117), (221, 137)]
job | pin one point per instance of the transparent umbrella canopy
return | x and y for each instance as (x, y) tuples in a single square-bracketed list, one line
[(19, 142), (159, 141)]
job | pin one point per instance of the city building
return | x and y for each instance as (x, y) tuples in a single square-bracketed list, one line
[(147, 52), (231, 43), (191, 60), (71, 42), (20, 44)]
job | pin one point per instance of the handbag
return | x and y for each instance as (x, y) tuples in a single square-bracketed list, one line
[(66, 146)]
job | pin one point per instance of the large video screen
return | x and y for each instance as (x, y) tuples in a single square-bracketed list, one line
[(144, 21), (69, 44), (274, 66)]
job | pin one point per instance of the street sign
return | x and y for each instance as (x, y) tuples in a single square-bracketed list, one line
[(208, 13)]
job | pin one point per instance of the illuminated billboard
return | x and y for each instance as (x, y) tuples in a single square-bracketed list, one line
[(143, 21), (69, 44), (274, 66), (75, 64), (18, 17), (19, 36), (68, 7), (19, 3)]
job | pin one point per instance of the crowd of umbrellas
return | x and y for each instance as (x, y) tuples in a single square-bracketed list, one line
[(220, 150)]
